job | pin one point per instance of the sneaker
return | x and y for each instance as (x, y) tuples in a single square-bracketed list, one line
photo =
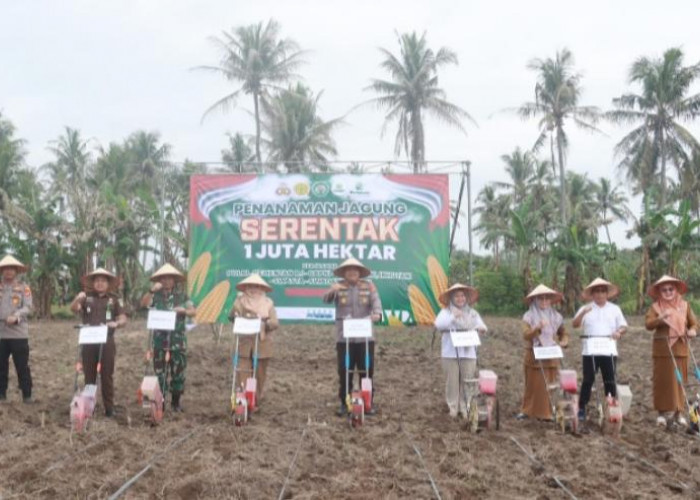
[(371, 412), (453, 413), (521, 416), (109, 413), (682, 421), (661, 421), (27, 400), (3, 397), (581, 415), (342, 410)]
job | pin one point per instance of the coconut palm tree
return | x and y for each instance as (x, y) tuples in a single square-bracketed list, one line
[(294, 133), (611, 203), (256, 57), (72, 158), (557, 93), (12, 154), (239, 155), (493, 211), (520, 167), (148, 160), (412, 92), (664, 102)]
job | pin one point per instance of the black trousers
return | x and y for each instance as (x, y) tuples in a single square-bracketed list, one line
[(591, 364), (357, 362), (19, 350)]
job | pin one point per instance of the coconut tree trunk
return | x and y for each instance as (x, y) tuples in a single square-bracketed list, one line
[(642, 280), (662, 152), (570, 287), (256, 103), (562, 179)]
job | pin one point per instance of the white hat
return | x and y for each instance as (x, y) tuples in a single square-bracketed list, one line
[(544, 290), (88, 279), (10, 261), (167, 270), (351, 262), (613, 290), (653, 290), (253, 279), (471, 293)]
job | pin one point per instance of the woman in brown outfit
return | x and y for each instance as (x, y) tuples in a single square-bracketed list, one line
[(542, 326), (673, 322), (252, 302)]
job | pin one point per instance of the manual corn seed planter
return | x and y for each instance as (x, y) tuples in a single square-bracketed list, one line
[(483, 410), (149, 395), (152, 392), (692, 407), (244, 395), (82, 406), (610, 409), (562, 394), (694, 424), (359, 403)]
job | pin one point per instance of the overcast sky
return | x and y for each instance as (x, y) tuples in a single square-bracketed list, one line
[(110, 68)]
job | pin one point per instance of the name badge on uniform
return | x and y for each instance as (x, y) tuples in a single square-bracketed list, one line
[(357, 328)]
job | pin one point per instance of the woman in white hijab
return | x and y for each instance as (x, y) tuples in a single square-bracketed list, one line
[(458, 363)]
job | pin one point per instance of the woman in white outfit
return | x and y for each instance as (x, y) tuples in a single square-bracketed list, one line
[(458, 363)]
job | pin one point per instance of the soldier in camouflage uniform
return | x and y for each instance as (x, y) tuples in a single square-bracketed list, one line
[(164, 295), (99, 305), (15, 306), (353, 297)]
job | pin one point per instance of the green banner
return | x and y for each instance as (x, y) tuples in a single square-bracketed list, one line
[(295, 229)]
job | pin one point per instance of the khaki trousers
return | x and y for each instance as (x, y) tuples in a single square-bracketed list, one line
[(456, 390)]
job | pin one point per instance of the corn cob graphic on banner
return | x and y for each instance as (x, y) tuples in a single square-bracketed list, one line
[(423, 309), (295, 229)]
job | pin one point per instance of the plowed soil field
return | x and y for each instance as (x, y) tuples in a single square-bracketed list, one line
[(296, 447)]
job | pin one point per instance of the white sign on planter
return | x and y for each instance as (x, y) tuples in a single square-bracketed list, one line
[(601, 346), (548, 352), (246, 326), (357, 328), (93, 334), (161, 320), (465, 338)]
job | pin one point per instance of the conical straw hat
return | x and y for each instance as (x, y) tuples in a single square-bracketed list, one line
[(544, 290), (351, 262), (471, 292), (653, 290), (254, 279), (613, 290), (100, 271), (168, 270), (10, 261)]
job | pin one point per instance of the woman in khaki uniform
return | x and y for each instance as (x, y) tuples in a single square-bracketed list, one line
[(673, 322), (542, 326), (252, 302)]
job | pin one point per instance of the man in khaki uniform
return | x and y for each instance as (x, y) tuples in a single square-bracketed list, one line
[(353, 297), (15, 306)]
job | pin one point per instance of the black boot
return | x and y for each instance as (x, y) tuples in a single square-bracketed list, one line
[(176, 403)]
